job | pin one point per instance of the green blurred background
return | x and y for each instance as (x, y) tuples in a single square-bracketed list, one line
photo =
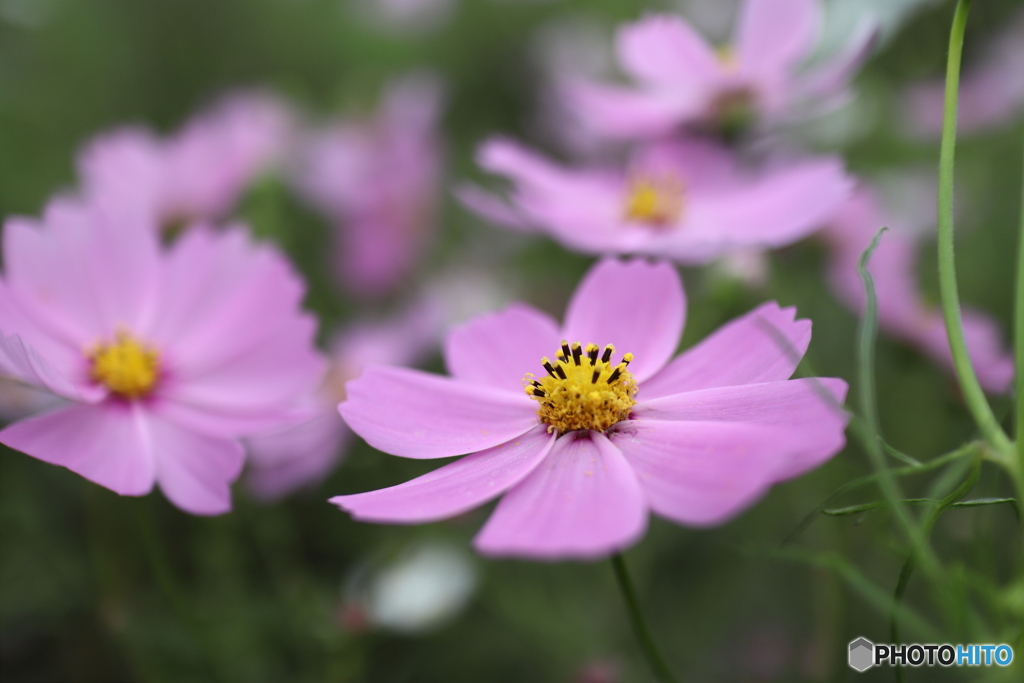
[(262, 594)]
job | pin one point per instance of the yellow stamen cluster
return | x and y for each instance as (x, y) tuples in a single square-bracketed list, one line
[(126, 367), (583, 390), (656, 201)]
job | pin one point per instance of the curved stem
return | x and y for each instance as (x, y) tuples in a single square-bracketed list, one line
[(636, 618), (972, 391)]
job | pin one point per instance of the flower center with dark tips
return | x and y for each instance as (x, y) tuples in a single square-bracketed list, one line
[(126, 366), (657, 201), (582, 390)]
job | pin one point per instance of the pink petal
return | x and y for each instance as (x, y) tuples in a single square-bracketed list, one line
[(455, 488), (810, 410), (665, 50), (622, 112), (106, 444), (418, 415), (18, 359), (195, 471), (765, 345), (491, 207), (777, 208), (284, 460), (702, 473), (582, 502), (500, 348), (635, 305), (773, 35)]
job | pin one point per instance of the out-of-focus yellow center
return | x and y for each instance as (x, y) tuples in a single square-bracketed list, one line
[(127, 367), (656, 201), (727, 57), (582, 389)]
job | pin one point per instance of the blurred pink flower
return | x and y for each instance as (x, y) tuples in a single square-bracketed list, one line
[(590, 445), (685, 200), (682, 79), (378, 181), (902, 311), (302, 454), (167, 356), (991, 91), (199, 172)]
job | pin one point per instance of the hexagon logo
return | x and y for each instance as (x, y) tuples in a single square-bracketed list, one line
[(862, 654)]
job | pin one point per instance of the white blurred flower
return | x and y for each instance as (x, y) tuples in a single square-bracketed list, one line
[(424, 587)]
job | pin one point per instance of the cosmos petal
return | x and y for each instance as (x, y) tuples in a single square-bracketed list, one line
[(455, 488), (765, 345), (194, 470), (418, 415), (663, 49), (104, 443), (498, 349), (635, 305), (702, 473), (809, 410), (582, 502), (773, 35)]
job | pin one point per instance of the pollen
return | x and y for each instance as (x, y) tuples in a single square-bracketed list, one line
[(127, 367), (582, 390), (657, 201)]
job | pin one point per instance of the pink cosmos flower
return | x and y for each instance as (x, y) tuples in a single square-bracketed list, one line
[(378, 181), (991, 92), (685, 200), (681, 79), (583, 446), (198, 173), (902, 310), (304, 452), (167, 356)]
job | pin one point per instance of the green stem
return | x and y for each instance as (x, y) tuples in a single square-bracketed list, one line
[(868, 429), (908, 567), (636, 618), (972, 391)]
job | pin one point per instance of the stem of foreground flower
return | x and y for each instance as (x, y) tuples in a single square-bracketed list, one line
[(974, 396), (636, 618)]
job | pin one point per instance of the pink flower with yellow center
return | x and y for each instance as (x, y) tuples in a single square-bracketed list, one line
[(686, 200), (167, 356), (679, 78), (586, 427)]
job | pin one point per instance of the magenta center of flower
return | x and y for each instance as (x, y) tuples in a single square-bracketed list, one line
[(126, 366), (582, 390), (655, 200)]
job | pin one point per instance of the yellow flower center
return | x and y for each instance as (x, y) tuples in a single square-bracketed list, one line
[(656, 201), (727, 57), (582, 390), (127, 367)]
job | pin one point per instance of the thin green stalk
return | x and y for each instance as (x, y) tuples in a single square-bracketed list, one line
[(869, 429), (636, 618), (972, 391), (908, 568)]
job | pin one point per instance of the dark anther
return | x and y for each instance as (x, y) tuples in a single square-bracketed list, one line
[(592, 354), (607, 353), (576, 353), (615, 375), (565, 351), (560, 371), (539, 392), (597, 373), (551, 370)]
